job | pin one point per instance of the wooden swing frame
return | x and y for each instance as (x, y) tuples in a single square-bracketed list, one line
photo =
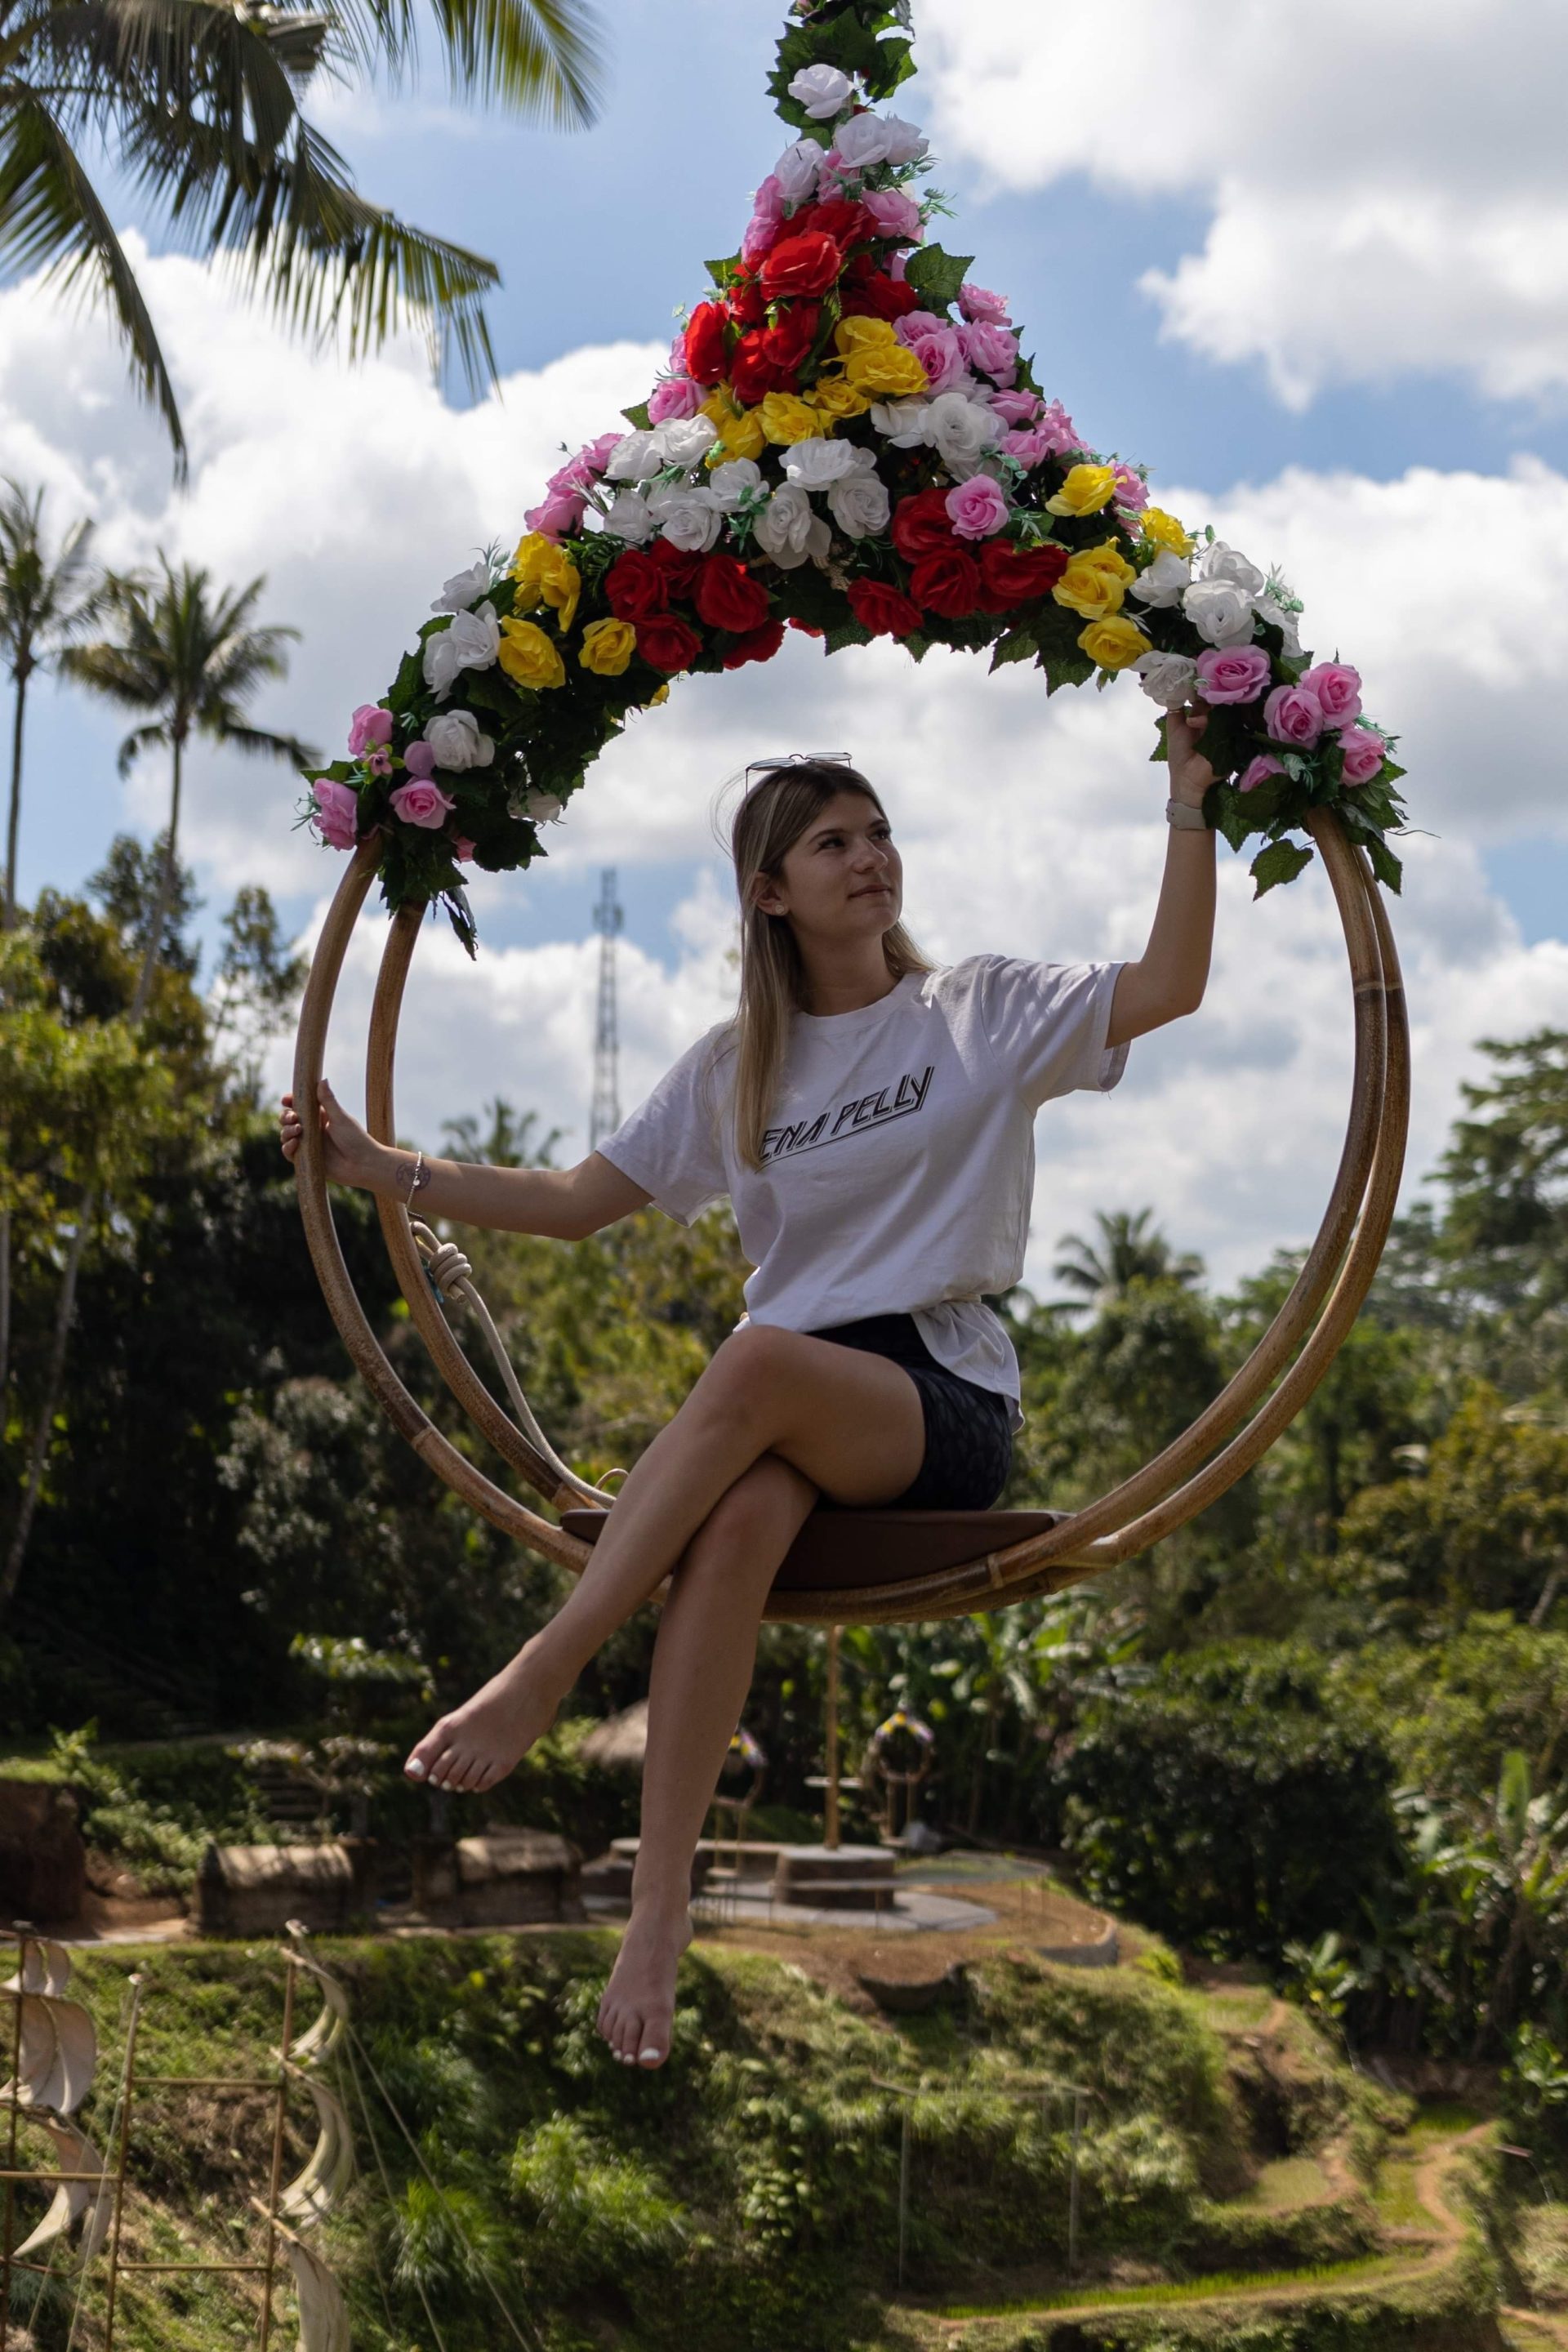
[(1046, 1551)]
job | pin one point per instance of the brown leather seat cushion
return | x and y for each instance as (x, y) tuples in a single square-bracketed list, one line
[(840, 1549)]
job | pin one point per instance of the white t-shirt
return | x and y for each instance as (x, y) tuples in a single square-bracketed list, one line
[(898, 1167)]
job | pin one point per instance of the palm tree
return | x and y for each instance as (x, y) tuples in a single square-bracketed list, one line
[(1126, 1252), (193, 659), (199, 103), (46, 603)]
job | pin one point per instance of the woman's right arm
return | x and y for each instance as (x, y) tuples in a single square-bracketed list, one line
[(563, 1203)]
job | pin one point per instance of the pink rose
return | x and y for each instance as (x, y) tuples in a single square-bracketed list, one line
[(420, 759), (1131, 489), (1232, 673), (897, 267), (1018, 407), (1052, 433), (767, 218), (1293, 714), (937, 348), (463, 849), (1338, 689), (562, 512), (990, 350), (371, 724), (1264, 765), (423, 803), (674, 395), (895, 214), (597, 454), (976, 508), (336, 817), (1363, 753), (980, 305)]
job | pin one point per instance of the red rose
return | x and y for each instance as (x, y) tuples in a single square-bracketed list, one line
[(753, 372), (728, 597), (922, 526), (845, 222), (880, 297), (679, 566), (806, 628), (706, 358), (668, 643), (800, 265), (745, 301), (948, 582), (1017, 576), (757, 644), (636, 587), (860, 268), (886, 611), (787, 344)]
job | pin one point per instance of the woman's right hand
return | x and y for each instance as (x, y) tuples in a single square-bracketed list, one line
[(351, 1155)]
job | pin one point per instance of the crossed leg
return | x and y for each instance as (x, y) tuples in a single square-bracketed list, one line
[(800, 1415)]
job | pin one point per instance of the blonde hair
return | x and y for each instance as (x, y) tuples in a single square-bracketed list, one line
[(771, 818)]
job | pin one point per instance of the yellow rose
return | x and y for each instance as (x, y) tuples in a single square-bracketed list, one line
[(1159, 529), (1114, 643), (1086, 490), (607, 647), (661, 694), (831, 396), (1095, 582), (527, 654), (862, 335), (740, 434), (887, 372), (547, 574), (788, 419)]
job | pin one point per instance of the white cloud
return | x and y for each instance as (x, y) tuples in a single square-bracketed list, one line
[(1030, 825), (1389, 185)]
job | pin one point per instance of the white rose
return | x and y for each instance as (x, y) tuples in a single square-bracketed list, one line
[(688, 518), (683, 440), (454, 736), (1165, 582), (906, 144), (1219, 561), (822, 90), (816, 462), (736, 481), (471, 642), (860, 504), (539, 808), (1220, 612), (627, 517), (1166, 678), (784, 525), (458, 592), (959, 430), (901, 421), (633, 458), (861, 141), (819, 543), (797, 169), (1268, 610)]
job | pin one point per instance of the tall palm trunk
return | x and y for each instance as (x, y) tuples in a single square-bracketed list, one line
[(165, 898), (7, 918)]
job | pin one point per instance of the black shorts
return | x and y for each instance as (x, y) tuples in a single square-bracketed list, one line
[(969, 1443)]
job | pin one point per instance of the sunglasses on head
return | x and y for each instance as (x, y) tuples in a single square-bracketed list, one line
[(800, 759)]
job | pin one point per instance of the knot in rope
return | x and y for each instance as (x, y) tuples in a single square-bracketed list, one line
[(448, 1267)]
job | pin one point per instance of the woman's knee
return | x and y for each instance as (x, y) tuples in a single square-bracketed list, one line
[(757, 1516), (752, 1369)]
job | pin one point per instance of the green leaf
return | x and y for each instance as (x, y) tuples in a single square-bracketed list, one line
[(1019, 645), (1384, 865), (937, 276), (847, 632), (1280, 861), (638, 416), (720, 272)]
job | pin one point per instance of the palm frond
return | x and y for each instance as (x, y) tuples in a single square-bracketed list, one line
[(139, 740), (258, 743), (540, 59), (50, 216)]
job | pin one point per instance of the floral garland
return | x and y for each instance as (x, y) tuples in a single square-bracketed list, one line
[(846, 441)]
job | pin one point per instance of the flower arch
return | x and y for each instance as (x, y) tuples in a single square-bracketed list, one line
[(848, 440)]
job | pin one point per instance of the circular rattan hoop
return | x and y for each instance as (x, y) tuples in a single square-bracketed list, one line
[(1192, 1472)]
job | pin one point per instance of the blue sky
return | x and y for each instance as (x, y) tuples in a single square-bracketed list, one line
[(600, 236)]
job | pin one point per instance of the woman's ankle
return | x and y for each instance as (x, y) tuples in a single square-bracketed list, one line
[(662, 1902)]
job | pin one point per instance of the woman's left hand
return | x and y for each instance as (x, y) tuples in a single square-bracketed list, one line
[(1191, 774)]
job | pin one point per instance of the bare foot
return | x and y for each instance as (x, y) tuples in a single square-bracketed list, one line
[(638, 2007), (482, 1740)]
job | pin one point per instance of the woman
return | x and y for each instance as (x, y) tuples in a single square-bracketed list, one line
[(872, 1118)]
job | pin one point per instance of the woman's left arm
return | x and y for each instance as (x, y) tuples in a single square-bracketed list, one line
[(1170, 977)]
